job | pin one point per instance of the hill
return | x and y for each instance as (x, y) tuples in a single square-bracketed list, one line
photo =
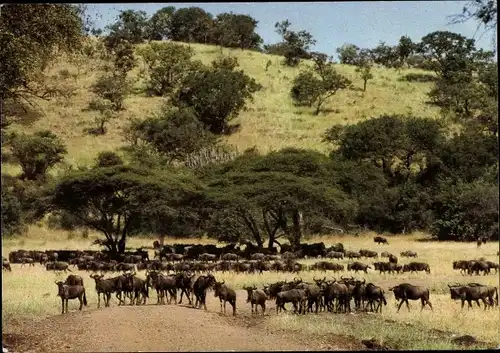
[(270, 122)]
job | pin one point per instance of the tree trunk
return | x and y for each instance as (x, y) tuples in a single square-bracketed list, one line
[(162, 240), (296, 229), (364, 85)]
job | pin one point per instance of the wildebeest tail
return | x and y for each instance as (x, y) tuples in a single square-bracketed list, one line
[(84, 298), (69, 269)]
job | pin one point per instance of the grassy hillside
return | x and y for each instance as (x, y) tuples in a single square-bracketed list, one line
[(271, 122)]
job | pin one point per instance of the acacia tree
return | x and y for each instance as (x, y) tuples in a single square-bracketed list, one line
[(316, 87), (158, 27), (296, 44), (112, 200)]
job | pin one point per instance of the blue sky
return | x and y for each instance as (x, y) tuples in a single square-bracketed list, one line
[(332, 23)]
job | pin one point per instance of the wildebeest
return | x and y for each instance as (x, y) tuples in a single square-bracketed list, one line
[(200, 287), (256, 297), (368, 253), (297, 297), (474, 292), (476, 266), (74, 280), (183, 282), (385, 267), (6, 265), (104, 287), (373, 294), (332, 290), (325, 265), (139, 288), (380, 240), (393, 259), (462, 265), (27, 260), (408, 253), (67, 292), (57, 266), (335, 255), (416, 266), (207, 257), (225, 294), (494, 265), (164, 286), (358, 266), (352, 254), (407, 291), (229, 257)]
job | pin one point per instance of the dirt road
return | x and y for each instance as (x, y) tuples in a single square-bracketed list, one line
[(157, 328)]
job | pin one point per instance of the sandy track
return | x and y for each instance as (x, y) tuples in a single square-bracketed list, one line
[(157, 328)]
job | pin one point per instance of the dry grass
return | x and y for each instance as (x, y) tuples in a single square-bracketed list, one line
[(271, 122), (33, 292)]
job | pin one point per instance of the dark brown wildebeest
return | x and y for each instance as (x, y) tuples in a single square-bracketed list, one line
[(474, 292), (225, 294), (6, 264), (57, 266), (156, 244), (335, 255), (67, 292), (494, 265), (207, 257), (352, 254), (229, 257), (74, 280), (408, 253), (384, 267), (373, 294), (385, 254), (476, 266), (462, 265), (256, 297), (358, 266), (104, 287), (27, 260), (380, 240), (393, 259), (407, 291), (416, 266), (368, 253), (294, 296), (164, 285), (200, 287), (313, 293), (183, 282), (139, 288), (257, 256), (332, 290)]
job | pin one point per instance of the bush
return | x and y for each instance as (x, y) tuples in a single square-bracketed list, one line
[(108, 159), (216, 96), (37, 153), (112, 87)]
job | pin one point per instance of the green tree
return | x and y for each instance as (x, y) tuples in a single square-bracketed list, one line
[(216, 96), (174, 134), (191, 25), (31, 37), (11, 212), (167, 65), (236, 31), (123, 56), (131, 26), (112, 200), (316, 87), (159, 24), (348, 54), (365, 74), (385, 55), (112, 88), (37, 153), (108, 159), (467, 212), (405, 48), (399, 145), (297, 44)]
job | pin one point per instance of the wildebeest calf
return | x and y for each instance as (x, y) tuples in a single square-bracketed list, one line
[(67, 292)]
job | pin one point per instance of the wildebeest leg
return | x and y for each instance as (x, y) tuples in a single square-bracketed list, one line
[(263, 308), (221, 306), (484, 302), (81, 302), (107, 299), (67, 300), (400, 303), (98, 300), (233, 303), (62, 306)]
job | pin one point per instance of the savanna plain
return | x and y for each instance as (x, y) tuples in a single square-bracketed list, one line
[(31, 318)]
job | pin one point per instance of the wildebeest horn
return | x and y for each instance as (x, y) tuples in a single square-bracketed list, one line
[(324, 279), (314, 279), (56, 282), (364, 281), (223, 281)]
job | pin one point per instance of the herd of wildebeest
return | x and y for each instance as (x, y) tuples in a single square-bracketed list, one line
[(188, 269)]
